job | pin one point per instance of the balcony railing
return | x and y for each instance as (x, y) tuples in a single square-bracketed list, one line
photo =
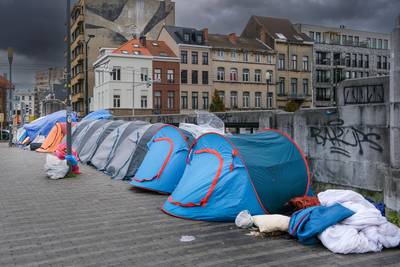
[(295, 96)]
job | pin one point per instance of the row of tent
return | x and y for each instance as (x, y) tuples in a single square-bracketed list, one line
[(212, 177)]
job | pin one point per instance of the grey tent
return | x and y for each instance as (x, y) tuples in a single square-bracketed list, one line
[(90, 147), (118, 166), (107, 148), (96, 126), (89, 128), (76, 129)]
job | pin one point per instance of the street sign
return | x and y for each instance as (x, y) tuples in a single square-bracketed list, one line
[(1, 117)]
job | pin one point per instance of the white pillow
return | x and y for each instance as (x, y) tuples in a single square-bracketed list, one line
[(272, 223)]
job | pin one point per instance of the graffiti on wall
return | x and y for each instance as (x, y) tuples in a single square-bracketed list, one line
[(368, 94), (341, 140)]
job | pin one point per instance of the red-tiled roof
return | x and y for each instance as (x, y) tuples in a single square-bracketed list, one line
[(151, 48)]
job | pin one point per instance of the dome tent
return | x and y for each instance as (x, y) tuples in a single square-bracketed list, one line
[(54, 138), (165, 161), (90, 147), (80, 140), (106, 150), (259, 172)]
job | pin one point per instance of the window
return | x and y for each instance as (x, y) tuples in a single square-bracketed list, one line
[(234, 99), (245, 56), (353, 74), (305, 87), (305, 64), (379, 62), (360, 61), (143, 101), (205, 58), (323, 94), (195, 77), (171, 99), (246, 99), (199, 39), (281, 86), (269, 99), (258, 58), (385, 44), (221, 74), (234, 74), (184, 57), (385, 64), (233, 55), (281, 62), (221, 95), (170, 76), (269, 59), (205, 100), (184, 100), (157, 99), (221, 53), (195, 100), (293, 86), (347, 75), (373, 42), (257, 76), (323, 76), (246, 75), (348, 59), (117, 101), (257, 102), (317, 37), (366, 63), (311, 34), (294, 62), (270, 75), (356, 40), (354, 60), (204, 76), (23, 97), (157, 75), (379, 43), (30, 98), (116, 74), (144, 73), (195, 58), (184, 76), (186, 37)]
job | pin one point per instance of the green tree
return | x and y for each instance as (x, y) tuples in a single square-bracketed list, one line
[(216, 103)]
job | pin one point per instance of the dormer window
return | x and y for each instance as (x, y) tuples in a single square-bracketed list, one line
[(124, 52), (136, 52), (186, 37), (136, 46), (199, 39)]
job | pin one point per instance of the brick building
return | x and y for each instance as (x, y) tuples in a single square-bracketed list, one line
[(4, 86)]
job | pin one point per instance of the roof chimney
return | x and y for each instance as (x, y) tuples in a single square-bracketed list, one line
[(143, 40), (233, 38), (205, 33)]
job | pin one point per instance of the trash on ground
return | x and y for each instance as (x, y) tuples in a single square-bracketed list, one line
[(187, 238), (244, 220)]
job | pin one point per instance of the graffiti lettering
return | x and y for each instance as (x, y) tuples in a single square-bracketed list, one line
[(340, 138), (368, 94)]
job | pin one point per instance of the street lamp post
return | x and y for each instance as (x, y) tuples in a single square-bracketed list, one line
[(68, 81), (90, 36), (10, 117)]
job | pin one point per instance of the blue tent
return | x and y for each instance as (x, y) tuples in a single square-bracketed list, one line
[(225, 175), (43, 125), (165, 161), (101, 114)]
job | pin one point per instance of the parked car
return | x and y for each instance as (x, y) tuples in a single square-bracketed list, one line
[(5, 134)]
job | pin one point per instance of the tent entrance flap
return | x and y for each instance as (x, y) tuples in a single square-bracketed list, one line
[(160, 153), (210, 177)]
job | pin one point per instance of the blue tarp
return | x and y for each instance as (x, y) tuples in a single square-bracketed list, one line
[(101, 114), (306, 224), (43, 125)]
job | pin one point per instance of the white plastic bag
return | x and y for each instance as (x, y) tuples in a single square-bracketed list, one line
[(272, 223), (244, 220), (56, 168)]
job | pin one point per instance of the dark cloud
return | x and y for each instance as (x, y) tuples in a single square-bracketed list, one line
[(35, 28)]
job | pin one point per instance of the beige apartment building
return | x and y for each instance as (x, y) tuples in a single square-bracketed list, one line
[(294, 58), (99, 24), (196, 79), (243, 72)]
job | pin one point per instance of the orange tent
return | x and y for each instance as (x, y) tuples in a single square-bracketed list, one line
[(54, 138)]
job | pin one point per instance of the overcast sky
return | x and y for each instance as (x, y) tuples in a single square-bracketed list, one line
[(35, 28)]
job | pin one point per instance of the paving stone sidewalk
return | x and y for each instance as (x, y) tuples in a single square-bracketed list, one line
[(94, 221)]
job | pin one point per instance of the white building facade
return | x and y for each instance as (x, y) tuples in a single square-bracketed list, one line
[(24, 104), (122, 83)]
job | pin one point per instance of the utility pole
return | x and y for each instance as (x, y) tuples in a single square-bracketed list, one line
[(68, 70), (10, 124), (133, 93)]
